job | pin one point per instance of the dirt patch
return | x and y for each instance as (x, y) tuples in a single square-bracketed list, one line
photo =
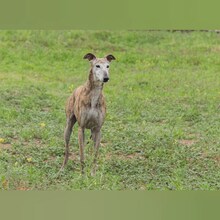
[(45, 109), (217, 159), (37, 141), (51, 158), (5, 146), (15, 140), (186, 142), (103, 144), (216, 49), (27, 143), (73, 156), (23, 188), (134, 156)]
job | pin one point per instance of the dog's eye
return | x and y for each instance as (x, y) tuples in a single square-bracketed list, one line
[(107, 66), (98, 66)]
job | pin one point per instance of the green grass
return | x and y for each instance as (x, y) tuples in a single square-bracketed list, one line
[(163, 100)]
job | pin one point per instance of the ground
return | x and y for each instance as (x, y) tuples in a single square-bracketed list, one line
[(163, 102)]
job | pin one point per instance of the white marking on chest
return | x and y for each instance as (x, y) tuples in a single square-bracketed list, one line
[(95, 94)]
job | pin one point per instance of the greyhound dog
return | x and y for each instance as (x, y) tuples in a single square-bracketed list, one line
[(87, 107)]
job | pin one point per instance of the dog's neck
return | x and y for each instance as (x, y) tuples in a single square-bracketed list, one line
[(94, 89), (91, 84)]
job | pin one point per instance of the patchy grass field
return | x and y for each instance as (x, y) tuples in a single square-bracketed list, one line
[(162, 129)]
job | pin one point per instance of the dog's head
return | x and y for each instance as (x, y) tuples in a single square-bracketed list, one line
[(100, 66)]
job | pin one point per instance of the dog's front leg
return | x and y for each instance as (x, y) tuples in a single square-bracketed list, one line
[(97, 139), (81, 138)]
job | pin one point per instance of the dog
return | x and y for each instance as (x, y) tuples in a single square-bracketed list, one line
[(87, 107)]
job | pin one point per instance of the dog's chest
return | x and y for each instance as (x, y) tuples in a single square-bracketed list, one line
[(92, 115)]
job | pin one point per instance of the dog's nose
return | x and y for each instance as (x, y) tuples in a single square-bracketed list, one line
[(106, 79)]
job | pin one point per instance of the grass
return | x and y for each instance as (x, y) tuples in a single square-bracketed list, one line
[(163, 100)]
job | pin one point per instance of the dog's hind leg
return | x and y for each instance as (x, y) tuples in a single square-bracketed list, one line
[(81, 139), (97, 138), (67, 133)]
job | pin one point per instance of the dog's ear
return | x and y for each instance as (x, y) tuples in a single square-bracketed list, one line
[(110, 57), (89, 56)]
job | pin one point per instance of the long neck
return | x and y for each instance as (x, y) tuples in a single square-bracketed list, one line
[(92, 84), (94, 89)]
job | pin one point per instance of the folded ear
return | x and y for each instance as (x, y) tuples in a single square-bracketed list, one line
[(89, 56), (110, 57)]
